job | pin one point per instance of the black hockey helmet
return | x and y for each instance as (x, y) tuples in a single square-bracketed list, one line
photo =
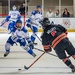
[(45, 22)]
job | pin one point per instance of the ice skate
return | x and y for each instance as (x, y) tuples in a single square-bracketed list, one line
[(6, 54), (34, 55), (73, 70)]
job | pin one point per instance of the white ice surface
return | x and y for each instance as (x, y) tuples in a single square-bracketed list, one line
[(47, 65)]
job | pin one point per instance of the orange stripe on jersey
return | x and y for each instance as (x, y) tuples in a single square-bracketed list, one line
[(58, 38), (59, 41), (65, 60), (73, 56)]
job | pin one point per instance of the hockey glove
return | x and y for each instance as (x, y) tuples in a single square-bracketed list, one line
[(31, 45), (7, 18), (47, 48)]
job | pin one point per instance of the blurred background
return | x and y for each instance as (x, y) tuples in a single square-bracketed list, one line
[(6, 5), (53, 9)]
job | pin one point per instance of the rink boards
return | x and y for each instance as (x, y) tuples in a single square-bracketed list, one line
[(68, 23)]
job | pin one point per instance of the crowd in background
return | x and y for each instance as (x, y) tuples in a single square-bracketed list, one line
[(50, 13), (23, 9)]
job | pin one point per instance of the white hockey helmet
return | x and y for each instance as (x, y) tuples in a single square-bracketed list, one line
[(14, 7)]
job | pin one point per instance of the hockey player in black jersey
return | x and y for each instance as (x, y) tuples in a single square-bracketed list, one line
[(55, 36)]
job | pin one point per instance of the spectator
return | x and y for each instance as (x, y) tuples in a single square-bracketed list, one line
[(23, 8), (57, 14), (66, 13), (50, 14)]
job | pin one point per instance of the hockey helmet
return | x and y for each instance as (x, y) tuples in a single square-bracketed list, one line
[(18, 25), (19, 21), (45, 22), (38, 6), (14, 7)]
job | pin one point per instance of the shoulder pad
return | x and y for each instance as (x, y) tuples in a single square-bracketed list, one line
[(34, 12)]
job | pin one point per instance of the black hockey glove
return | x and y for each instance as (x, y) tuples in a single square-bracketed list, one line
[(48, 50)]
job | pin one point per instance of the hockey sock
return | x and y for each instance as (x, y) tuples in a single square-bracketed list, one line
[(30, 51), (7, 47), (68, 63)]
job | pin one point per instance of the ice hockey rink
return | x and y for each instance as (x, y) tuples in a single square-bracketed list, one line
[(46, 65)]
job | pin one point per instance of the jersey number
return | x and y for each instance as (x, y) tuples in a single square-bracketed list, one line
[(53, 33)]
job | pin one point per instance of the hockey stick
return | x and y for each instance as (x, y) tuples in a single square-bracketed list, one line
[(35, 34), (2, 23), (47, 53), (44, 51), (38, 37), (25, 67)]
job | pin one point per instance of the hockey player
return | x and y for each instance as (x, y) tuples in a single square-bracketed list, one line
[(55, 36), (12, 17), (34, 21), (19, 35)]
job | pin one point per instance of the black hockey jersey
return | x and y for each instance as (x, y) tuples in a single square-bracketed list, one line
[(52, 35)]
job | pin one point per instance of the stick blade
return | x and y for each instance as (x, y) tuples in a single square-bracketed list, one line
[(26, 67)]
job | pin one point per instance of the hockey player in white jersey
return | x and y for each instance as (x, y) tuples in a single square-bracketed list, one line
[(34, 21), (12, 17), (19, 35)]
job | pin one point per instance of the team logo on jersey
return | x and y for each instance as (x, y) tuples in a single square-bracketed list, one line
[(52, 31)]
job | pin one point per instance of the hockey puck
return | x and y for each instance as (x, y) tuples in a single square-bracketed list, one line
[(19, 69)]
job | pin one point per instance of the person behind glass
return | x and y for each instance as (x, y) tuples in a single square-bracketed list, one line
[(57, 14), (23, 8), (66, 13), (50, 13)]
